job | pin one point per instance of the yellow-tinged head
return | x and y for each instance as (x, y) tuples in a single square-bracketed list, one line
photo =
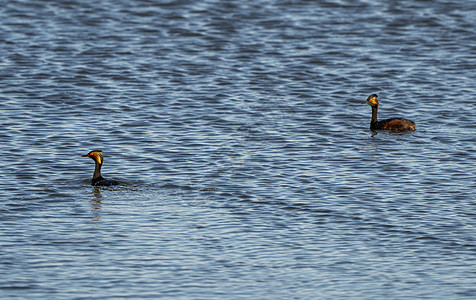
[(95, 155), (372, 100)]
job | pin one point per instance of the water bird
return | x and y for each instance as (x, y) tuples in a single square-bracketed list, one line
[(98, 180), (393, 124)]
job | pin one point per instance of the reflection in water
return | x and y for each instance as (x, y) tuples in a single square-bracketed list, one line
[(96, 203), (97, 193)]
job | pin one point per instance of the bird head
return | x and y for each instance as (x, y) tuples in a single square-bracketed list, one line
[(372, 100), (95, 155)]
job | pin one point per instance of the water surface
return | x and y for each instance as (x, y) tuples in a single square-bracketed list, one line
[(245, 158)]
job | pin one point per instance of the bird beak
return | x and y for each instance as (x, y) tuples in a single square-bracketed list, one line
[(84, 155)]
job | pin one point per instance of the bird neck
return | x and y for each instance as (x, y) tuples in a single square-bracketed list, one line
[(97, 171), (374, 115)]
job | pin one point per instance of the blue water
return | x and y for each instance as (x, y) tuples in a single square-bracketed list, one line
[(238, 134)]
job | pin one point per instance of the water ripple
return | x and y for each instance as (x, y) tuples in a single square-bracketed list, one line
[(246, 163)]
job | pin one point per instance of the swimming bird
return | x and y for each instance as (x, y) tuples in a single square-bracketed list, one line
[(98, 180), (393, 124)]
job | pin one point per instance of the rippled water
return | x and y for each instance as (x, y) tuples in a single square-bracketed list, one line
[(245, 158)]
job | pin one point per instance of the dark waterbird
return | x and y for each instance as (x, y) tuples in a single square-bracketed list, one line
[(98, 180), (393, 124)]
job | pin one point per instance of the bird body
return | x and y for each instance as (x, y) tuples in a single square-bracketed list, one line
[(393, 124), (98, 180)]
